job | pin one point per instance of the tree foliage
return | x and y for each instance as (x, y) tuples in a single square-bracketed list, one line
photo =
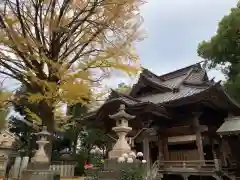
[(4, 107), (223, 49), (123, 88), (58, 49), (25, 134)]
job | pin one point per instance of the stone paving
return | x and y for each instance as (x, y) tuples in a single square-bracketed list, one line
[(75, 178)]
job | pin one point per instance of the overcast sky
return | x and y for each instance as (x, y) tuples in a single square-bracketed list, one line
[(174, 29)]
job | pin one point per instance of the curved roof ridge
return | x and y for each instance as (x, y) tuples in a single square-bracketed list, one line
[(229, 97), (184, 69)]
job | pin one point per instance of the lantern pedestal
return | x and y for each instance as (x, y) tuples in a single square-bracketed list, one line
[(121, 147)]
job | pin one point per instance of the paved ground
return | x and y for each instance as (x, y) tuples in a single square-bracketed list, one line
[(76, 178)]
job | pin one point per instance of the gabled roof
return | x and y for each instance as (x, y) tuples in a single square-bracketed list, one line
[(179, 72), (193, 75), (188, 83), (182, 87)]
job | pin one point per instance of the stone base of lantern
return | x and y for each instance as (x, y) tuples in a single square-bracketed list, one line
[(40, 158), (38, 166), (116, 153), (112, 169)]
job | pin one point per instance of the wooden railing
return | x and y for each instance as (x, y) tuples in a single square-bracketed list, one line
[(207, 166), (198, 164)]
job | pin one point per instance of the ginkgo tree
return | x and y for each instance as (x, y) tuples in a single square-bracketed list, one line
[(59, 49), (4, 107)]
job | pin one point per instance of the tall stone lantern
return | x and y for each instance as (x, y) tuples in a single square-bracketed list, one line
[(41, 156), (121, 147)]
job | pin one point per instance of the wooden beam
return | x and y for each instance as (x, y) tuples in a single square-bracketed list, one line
[(181, 130)]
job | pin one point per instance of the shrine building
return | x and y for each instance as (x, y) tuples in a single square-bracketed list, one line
[(183, 122)]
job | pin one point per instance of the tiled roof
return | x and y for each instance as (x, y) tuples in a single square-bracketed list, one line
[(187, 82), (179, 72), (184, 91), (157, 82), (181, 83), (171, 83), (195, 76)]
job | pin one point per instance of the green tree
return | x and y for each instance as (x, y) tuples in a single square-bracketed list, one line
[(91, 137), (25, 133), (75, 127), (224, 49), (55, 47), (124, 88)]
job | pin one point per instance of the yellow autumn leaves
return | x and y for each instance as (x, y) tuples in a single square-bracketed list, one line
[(4, 100), (57, 48)]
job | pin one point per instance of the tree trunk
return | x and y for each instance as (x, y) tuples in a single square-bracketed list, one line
[(47, 116), (49, 146), (75, 142)]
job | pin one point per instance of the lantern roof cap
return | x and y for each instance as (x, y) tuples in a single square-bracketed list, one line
[(122, 114), (43, 132)]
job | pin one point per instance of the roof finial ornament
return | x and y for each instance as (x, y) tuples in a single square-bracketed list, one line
[(204, 66), (122, 107)]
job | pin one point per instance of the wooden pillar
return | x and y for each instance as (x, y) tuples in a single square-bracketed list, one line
[(224, 152), (165, 149), (146, 151), (198, 138), (160, 149)]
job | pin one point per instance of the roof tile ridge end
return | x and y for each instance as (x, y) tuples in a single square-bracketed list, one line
[(177, 86)]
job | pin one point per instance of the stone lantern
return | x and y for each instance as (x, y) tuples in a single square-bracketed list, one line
[(7, 149), (40, 156), (121, 147)]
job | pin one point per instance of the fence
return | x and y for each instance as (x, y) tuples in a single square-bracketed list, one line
[(64, 168)]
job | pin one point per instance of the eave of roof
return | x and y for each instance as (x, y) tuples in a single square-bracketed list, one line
[(228, 97), (134, 104), (230, 126), (214, 93), (150, 79)]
